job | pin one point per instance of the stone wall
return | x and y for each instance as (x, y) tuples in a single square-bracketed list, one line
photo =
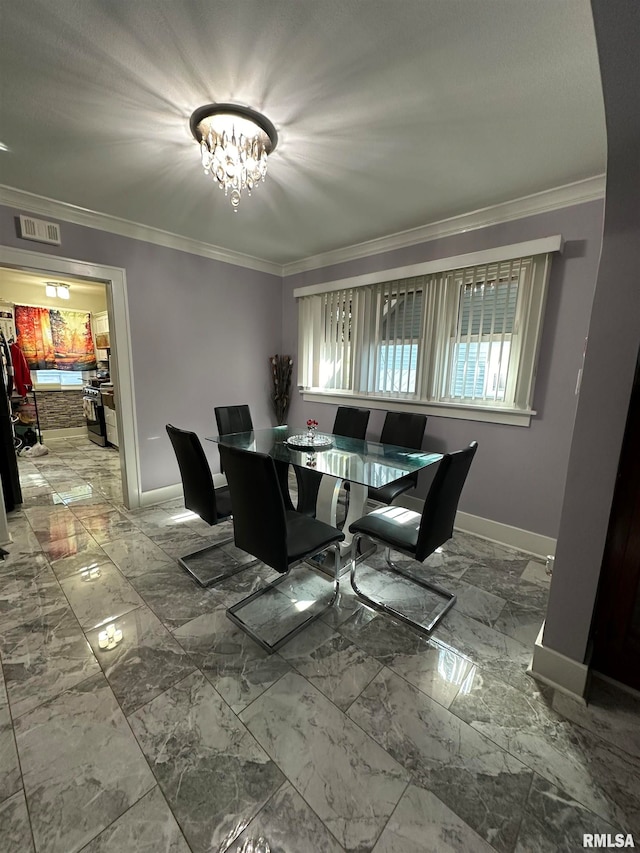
[(60, 409)]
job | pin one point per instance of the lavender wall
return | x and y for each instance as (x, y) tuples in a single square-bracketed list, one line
[(614, 337), (518, 476), (201, 330)]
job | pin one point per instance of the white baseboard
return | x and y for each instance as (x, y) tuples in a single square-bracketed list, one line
[(159, 496), (557, 670), (67, 432), (494, 531), (515, 537), (168, 493)]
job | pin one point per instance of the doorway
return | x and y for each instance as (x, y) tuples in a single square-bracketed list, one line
[(616, 635), (114, 280)]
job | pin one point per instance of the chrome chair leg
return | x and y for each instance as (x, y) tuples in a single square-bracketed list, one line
[(232, 612), (204, 578), (386, 608)]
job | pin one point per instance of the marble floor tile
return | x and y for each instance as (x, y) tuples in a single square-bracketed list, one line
[(81, 766), (147, 827), (289, 826), (331, 662), (76, 496), (597, 774), (31, 596), (433, 667), (215, 776), (520, 622), (405, 596), (39, 496), (508, 585), (101, 596), (611, 713), (422, 822), (285, 607), (78, 564), (68, 547), (44, 658), (134, 554), (479, 781), (536, 572), (346, 605), (495, 652), (173, 595), (219, 558), (348, 780), (176, 543), (555, 821), (23, 566), (84, 511), (146, 662), (588, 756), (15, 829), (23, 544), (10, 780), (238, 668), (108, 527)]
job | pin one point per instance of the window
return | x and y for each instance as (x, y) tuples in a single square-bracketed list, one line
[(63, 379), (465, 337)]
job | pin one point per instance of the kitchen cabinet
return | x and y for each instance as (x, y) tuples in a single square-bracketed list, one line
[(100, 323), (112, 426)]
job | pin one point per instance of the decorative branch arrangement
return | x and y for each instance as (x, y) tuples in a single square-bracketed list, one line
[(281, 370)]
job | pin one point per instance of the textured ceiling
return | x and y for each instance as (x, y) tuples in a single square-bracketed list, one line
[(391, 113)]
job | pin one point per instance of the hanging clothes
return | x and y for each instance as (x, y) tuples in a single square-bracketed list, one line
[(21, 372)]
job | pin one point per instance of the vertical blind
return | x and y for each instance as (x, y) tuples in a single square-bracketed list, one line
[(453, 336)]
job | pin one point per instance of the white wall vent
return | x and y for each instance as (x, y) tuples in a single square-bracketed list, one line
[(39, 230)]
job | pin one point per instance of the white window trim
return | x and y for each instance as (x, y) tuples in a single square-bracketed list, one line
[(511, 417), (492, 413), (542, 246)]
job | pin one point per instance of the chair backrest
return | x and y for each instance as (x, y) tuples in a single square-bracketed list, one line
[(441, 503), (404, 429), (233, 419), (351, 422), (197, 482), (259, 519)]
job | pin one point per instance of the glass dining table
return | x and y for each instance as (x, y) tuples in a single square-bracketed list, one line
[(361, 463)]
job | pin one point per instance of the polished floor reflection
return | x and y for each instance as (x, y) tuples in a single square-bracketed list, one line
[(135, 716)]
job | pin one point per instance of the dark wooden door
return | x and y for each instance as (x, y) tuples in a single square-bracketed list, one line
[(616, 637)]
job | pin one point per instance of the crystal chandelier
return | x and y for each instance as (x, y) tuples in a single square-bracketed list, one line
[(235, 142)]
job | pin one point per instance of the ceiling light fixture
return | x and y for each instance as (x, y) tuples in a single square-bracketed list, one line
[(55, 290), (235, 142)]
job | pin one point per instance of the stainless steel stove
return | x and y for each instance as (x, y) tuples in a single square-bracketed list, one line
[(94, 413)]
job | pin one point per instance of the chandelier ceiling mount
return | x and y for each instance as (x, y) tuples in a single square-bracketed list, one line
[(235, 142)]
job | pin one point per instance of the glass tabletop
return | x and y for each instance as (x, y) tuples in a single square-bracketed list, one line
[(366, 462)]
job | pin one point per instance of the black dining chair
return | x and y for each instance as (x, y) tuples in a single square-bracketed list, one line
[(230, 419), (281, 539), (349, 422), (211, 504), (417, 535), (403, 429)]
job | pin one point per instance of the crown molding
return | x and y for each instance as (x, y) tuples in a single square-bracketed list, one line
[(579, 192), (32, 203), (568, 195)]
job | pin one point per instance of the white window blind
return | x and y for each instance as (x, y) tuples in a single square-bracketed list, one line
[(464, 337)]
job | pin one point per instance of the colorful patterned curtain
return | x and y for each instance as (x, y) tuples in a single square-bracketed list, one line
[(55, 340)]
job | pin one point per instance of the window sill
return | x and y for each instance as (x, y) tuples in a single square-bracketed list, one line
[(511, 417), (44, 387)]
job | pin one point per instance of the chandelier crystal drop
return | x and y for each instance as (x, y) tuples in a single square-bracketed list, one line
[(235, 142)]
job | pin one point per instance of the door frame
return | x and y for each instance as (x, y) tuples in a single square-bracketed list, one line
[(115, 280)]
